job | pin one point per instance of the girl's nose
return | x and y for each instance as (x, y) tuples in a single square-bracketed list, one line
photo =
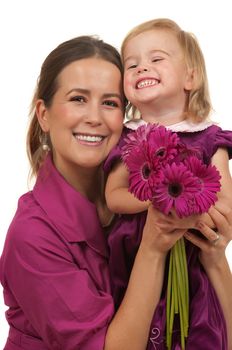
[(141, 69)]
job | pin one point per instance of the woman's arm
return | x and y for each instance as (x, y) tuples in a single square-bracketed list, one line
[(119, 199), (130, 327), (214, 260)]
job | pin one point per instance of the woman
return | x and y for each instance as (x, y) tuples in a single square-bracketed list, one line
[(54, 266)]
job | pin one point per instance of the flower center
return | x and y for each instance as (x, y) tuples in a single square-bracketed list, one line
[(160, 152), (146, 171), (175, 189)]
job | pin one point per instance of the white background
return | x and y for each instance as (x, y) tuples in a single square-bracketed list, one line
[(29, 30)]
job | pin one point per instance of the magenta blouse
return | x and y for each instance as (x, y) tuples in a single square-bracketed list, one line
[(54, 270)]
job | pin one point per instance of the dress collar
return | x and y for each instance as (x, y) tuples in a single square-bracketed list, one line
[(184, 126), (73, 215)]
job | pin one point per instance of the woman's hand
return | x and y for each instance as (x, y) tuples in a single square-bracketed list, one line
[(160, 233), (214, 245)]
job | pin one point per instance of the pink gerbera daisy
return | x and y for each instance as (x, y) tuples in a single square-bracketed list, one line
[(176, 190), (209, 180), (163, 144), (136, 138), (142, 178), (184, 151)]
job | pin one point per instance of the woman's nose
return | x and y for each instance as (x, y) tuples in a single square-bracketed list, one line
[(93, 115)]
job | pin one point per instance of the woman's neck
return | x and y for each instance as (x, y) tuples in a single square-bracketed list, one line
[(90, 183)]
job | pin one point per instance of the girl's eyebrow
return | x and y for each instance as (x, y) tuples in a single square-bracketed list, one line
[(129, 58), (161, 51), (151, 52)]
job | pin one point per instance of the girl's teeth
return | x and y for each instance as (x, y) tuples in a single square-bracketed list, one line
[(145, 83)]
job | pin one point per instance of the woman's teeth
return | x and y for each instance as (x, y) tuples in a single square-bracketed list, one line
[(89, 138)]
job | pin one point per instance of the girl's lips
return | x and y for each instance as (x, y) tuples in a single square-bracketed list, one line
[(146, 82)]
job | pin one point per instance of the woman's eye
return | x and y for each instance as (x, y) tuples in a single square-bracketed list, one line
[(80, 99), (110, 103)]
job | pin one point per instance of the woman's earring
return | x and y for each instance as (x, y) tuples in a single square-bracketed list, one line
[(44, 143)]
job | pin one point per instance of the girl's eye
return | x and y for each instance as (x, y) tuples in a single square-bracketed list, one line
[(132, 66), (111, 103), (79, 99), (157, 59)]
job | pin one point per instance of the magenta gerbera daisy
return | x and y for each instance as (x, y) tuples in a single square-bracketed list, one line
[(163, 144), (175, 190), (184, 151), (142, 178), (209, 180), (136, 138)]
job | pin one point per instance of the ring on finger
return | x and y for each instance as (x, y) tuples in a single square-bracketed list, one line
[(214, 242)]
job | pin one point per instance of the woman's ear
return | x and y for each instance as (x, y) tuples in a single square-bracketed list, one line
[(190, 79), (42, 115)]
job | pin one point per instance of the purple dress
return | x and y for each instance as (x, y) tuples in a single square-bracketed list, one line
[(54, 270), (207, 328)]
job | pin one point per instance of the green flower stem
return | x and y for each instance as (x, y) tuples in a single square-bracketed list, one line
[(185, 269), (170, 304), (174, 289), (177, 293), (182, 337), (181, 281)]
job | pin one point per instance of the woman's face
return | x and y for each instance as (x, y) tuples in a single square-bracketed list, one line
[(85, 119)]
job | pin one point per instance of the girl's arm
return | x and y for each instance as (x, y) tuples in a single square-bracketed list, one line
[(221, 161), (130, 327), (214, 260), (119, 199)]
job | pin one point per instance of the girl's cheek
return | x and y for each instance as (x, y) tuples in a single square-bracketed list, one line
[(127, 86)]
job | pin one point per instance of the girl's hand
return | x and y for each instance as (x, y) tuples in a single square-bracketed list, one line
[(214, 246)]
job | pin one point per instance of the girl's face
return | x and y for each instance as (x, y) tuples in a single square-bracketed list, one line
[(85, 119), (155, 70)]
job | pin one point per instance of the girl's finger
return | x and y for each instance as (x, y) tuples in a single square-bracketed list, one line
[(224, 210), (221, 221)]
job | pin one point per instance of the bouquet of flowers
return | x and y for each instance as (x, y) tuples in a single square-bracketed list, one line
[(172, 176)]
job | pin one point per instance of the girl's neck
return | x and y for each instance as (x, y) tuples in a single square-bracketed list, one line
[(165, 118), (165, 114)]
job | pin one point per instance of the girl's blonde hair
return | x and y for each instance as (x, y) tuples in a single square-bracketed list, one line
[(198, 105), (69, 51)]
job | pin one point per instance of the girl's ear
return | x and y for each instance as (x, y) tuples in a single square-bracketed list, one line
[(42, 115), (190, 79)]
